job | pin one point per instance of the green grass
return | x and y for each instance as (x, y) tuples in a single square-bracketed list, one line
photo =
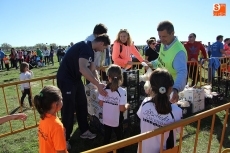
[(27, 141)]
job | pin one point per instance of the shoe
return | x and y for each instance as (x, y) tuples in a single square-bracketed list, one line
[(68, 146), (88, 135)]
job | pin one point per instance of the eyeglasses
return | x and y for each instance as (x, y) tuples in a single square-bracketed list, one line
[(190, 37)]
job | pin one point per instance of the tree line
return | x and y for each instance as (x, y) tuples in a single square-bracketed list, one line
[(6, 47)]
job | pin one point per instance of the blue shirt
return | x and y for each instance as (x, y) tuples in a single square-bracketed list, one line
[(69, 68), (2, 54), (215, 48)]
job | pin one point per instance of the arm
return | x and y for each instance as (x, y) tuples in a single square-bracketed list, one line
[(116, 55), (180, 65), (20, 116), (101, 100), (86, 72), (123, 108), (135, 52), (93, 69), (123, 105), (222, 48), (21, 79), (58, 138), (203, 51)]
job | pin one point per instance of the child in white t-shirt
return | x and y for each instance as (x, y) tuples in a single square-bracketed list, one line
[(114, 104), (25, 74), (156, 111)]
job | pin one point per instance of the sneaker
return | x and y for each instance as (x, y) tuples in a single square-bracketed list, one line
[(68, 146), (88, 135)]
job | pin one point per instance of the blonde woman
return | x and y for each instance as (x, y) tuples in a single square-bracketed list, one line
[(123, 47)]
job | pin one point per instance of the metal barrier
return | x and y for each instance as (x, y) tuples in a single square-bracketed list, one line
[(180, 124), (202, 69), (12, 103)]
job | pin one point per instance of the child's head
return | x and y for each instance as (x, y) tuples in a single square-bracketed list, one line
[(24, 67), (115, 77), (161, 83), (49, 100)]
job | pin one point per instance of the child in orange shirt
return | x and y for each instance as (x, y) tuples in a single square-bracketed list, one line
[(51, 132), (6, 62)]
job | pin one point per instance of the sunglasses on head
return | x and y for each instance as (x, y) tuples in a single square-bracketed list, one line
[(123, 29)]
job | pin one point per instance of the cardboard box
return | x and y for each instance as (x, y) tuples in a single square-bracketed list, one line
[(198, 106), (193, 95)]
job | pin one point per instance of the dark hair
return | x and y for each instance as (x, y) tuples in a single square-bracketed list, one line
[(165, 25), (229, 44), (103, 38), (23, 66), (115, 74), (219, 37), (227, 39), (161, 79), (152, 38), (100, 29), (44, 100), (150, 41), (194, 35)]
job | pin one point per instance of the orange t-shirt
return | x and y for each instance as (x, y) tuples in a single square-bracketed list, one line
[(227, 50), (122, 58), (6, 60), (51, 134)]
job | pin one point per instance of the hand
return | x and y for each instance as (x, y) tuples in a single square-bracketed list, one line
[(175, 97), (101, 103), (19, 116), (127, 106), (101, 90)]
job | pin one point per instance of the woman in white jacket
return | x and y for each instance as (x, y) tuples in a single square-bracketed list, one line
[(46, 53)]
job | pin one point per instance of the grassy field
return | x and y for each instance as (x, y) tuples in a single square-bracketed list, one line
[(27, 141)]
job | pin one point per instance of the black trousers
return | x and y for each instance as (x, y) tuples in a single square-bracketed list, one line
[(118, 132), (192, 71), (47, 59), (2, 62), (26, 92), (7, 67), (74, 100), (51, 59)]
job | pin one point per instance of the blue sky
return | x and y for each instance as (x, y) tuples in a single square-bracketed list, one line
[(27, 22)]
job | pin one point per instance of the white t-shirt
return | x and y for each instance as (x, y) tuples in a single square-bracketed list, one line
[(151, 120), (111, 103), (25, 76)]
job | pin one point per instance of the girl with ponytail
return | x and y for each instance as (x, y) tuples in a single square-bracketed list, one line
[(51, 132), (114, 104), (157, 111)]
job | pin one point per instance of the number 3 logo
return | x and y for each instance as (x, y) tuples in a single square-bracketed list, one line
[(216, 7)]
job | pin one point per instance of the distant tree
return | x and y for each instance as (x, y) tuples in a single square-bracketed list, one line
[(40, 46), (6, 47)]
